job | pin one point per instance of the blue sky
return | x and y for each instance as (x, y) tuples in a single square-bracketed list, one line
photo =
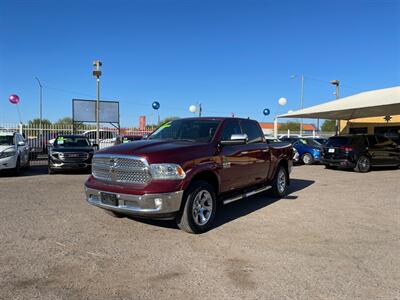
[(232, 56)]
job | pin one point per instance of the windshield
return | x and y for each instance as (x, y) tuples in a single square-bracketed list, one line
[(63, 141), (310, 142), (186, 130), (6, 140)]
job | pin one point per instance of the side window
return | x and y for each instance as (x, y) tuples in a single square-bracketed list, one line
[(230, 127), (371, 140), (253, 131), (383, 140)]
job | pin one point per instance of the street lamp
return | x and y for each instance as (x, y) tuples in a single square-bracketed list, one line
[(301, 98), (336, 84), (40, 104), (97, 73)]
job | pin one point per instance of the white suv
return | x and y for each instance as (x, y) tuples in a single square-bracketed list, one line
[(14, 152), (107, 137)]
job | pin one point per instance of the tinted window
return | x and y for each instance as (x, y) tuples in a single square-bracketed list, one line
[(371, 140), (6, 140), (383, 140), (253, 131), (337, 141), (231, 127)]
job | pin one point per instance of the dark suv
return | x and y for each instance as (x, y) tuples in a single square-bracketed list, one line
[(360, 152)]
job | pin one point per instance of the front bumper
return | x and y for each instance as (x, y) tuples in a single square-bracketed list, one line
[(157, 206), (8, 163)]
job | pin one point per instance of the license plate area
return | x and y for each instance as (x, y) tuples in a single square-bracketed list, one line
[(109, 199), (331, 150)]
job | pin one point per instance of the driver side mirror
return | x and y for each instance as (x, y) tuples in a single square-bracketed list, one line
[(236, 139)]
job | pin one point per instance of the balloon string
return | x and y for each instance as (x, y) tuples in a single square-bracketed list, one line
[(19, 113)]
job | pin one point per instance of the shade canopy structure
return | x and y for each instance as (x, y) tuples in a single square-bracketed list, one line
[(383, 102)]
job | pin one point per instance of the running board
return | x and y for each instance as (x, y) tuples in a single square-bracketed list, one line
[(236, 198)]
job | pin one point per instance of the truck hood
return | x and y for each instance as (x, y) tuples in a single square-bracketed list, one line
[(157, 150)]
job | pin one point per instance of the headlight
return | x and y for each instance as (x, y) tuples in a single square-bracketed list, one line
[(5, 154), (167, 171), (54, 154)]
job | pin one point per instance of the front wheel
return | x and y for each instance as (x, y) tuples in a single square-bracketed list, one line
[(200, 207), (363, 164), (307, 159), (280, 183), (17, 168)]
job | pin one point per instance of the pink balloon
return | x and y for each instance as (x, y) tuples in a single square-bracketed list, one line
[(14, 99)]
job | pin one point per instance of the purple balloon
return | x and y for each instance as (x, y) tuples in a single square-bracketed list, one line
[(14, 99)]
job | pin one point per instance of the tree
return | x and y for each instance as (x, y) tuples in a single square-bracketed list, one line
[(292, 126), (328, 126), (35, 123), (66, 121)]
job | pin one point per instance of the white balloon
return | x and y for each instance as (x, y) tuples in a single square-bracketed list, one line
[(282, 101), (192, 108)]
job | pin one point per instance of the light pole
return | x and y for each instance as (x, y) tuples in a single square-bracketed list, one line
[(97, 73), (301, 99), (336, 83), (40, 104)]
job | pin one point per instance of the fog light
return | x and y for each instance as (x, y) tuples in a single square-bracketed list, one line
[(158, 202)]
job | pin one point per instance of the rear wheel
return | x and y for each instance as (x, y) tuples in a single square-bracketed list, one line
[(50, 171), (200, 207), (307, 159), (280, 183), (363, 164)]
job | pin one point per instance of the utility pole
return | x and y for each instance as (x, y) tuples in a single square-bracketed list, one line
[(302, 103), (200, 110), (336, 84), (40, 105), (97, 73), (301, 98)]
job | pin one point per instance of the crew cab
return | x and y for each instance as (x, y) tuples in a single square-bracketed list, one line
[(185, 167)]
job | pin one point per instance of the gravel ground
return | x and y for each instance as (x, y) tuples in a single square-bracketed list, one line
[(335, 236)]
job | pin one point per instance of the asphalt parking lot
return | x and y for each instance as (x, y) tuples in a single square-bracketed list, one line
[(335, 236)]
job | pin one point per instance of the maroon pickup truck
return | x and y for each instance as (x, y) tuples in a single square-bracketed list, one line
[(185, 167)]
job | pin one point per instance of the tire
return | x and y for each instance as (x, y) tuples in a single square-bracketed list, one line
[(363, 164), (280, 183), (50, 171), (200, 206), (307, 159), (17, 170)]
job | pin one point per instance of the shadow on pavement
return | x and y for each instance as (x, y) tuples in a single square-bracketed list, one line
[(39, 170), (240, 208)]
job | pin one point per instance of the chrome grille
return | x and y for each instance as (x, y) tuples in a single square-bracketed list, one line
[(123, 169), (73, 156)]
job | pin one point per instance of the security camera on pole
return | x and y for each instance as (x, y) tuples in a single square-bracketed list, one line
[(97, 73)]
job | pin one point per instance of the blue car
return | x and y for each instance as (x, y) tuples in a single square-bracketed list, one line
[(309, 150)]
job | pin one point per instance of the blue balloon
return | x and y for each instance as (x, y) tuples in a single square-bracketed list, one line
[(156, 105), (266, 112)]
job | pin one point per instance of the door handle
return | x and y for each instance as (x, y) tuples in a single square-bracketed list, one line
[(265, 150), (244, 152)]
